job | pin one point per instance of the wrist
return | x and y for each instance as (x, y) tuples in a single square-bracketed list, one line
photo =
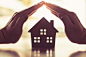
[(84, 38), (2, 38)]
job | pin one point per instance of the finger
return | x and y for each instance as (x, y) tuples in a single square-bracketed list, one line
[(11, 24), (32, 13), (71, 15), (56, 8), (11, 19), (67, 22), (55, 13), (30, 10), (26, 11), (60, 15), (20, 21)]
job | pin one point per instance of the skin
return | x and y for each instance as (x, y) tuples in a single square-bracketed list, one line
[(74, 30), (12, 32)]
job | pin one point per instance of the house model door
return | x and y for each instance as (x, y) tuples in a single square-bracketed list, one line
[(43, 41)]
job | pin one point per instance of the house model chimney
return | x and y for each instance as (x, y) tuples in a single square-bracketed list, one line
[(52, 22)]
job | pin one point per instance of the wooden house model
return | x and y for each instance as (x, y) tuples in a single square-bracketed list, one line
[(43, 34)]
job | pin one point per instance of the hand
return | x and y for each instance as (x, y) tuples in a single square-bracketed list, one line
[(73, 28), (13, 30)]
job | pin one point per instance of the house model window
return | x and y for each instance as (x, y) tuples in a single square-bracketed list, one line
[(49, 40), (36, 39), (42, 31)]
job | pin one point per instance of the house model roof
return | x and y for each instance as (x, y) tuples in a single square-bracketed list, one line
[(43, 23)]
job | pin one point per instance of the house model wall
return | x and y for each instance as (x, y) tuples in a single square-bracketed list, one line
[(43, 34)]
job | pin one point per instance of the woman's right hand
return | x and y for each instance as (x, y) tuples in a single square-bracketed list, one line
[(73, 27)]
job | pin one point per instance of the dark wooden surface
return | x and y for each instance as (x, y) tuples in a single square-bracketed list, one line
[(63, 48)]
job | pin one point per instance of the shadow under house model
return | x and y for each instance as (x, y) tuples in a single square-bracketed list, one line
[(43, 34)]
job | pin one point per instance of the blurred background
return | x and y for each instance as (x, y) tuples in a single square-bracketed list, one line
[(63, 47)]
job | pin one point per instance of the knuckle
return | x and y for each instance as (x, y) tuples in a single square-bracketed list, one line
[(64, 16), (72, 13), (15, 13)]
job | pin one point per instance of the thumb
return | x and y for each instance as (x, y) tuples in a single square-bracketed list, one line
[(66, 20)]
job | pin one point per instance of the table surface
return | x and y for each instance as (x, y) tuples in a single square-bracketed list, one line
[(63, 48)]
